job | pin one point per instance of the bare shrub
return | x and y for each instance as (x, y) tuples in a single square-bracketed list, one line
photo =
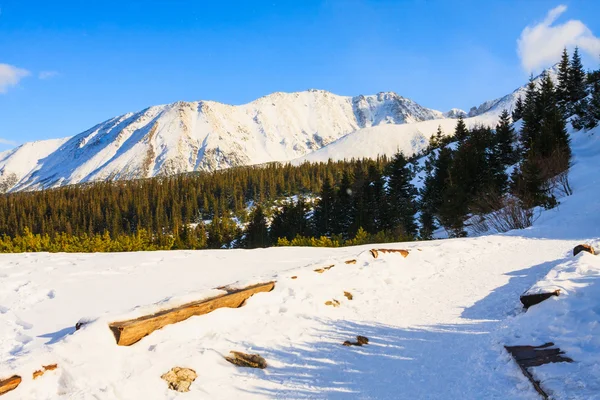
[(501, 213), (555, 171)]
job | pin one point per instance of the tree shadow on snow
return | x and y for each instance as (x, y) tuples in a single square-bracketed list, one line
[(504, 300), (58, 335), (415, 360)]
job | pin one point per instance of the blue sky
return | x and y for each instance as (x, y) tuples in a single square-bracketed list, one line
[(67, 65)]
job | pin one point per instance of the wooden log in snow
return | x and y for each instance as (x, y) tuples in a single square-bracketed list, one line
[(583, 247), (131, 331), (6, 385), (375, 252), (533, 356), (529, 300)]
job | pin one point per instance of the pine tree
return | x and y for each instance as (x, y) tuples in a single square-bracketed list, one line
[(517, 113), (593, 109), (343, 206), (530, 129), (256, 234), (323, 215), (562, 89), (577, 79), (461, 132), (373, 198), (401, 198), (432, 193), (506, 140)]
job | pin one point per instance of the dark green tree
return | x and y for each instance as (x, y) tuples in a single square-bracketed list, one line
[(256, 233), (562, 88), (401, 199), (517, 113), (324, 212), (461, 132), (506, 140)]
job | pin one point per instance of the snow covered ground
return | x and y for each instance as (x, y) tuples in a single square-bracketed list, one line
[(437, 320)]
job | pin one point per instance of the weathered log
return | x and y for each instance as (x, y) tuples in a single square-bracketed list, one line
[(247, 360), (360, 341), (6, 385), (529, 300), (533, 356), (131, 331), (375, 252), (350, 262), (583, 247)]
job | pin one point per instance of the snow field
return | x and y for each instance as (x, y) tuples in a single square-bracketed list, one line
[(429, 318)]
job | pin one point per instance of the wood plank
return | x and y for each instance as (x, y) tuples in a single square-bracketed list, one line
[(529, 300), (6, 385), (131, 331), (375, 252), (534, 356)]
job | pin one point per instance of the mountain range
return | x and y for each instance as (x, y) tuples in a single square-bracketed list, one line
[(163, 140)]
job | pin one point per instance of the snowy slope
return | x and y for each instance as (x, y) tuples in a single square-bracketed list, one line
[(437, 320), (204, 136), (411, 138), (388, 139)]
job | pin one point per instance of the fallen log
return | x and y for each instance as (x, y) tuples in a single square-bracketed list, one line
[(529, 300), (350, 262), (246, 360), (6, 385), (583, 247), (375, 252), (533, 356), (131, 331)]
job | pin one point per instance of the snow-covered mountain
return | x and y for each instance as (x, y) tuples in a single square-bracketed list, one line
[(206, 136), (202, 136)]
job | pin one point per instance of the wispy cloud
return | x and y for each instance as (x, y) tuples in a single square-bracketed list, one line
[(8, 142), (540, 45), (10, 76), (47, 74)]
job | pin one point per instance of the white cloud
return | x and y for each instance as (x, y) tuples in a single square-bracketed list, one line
[(8, 142), (47, 74), (541, 45), (10, 76)]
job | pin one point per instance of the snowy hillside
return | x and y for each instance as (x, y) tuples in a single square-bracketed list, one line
[(411, 138), (437, 321), (203, 136), (389, 139)]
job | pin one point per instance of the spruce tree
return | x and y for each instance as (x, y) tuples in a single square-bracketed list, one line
[(562, 88), (593, 110), (517, 113), (373, 198), (324, 214), (401, 197), (343, 206), (530, 129), (432, 193), (506, 140), (256, 234), (461, 132), (577, 79)]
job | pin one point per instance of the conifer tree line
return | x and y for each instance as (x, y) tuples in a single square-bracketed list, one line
[(472, 173)]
